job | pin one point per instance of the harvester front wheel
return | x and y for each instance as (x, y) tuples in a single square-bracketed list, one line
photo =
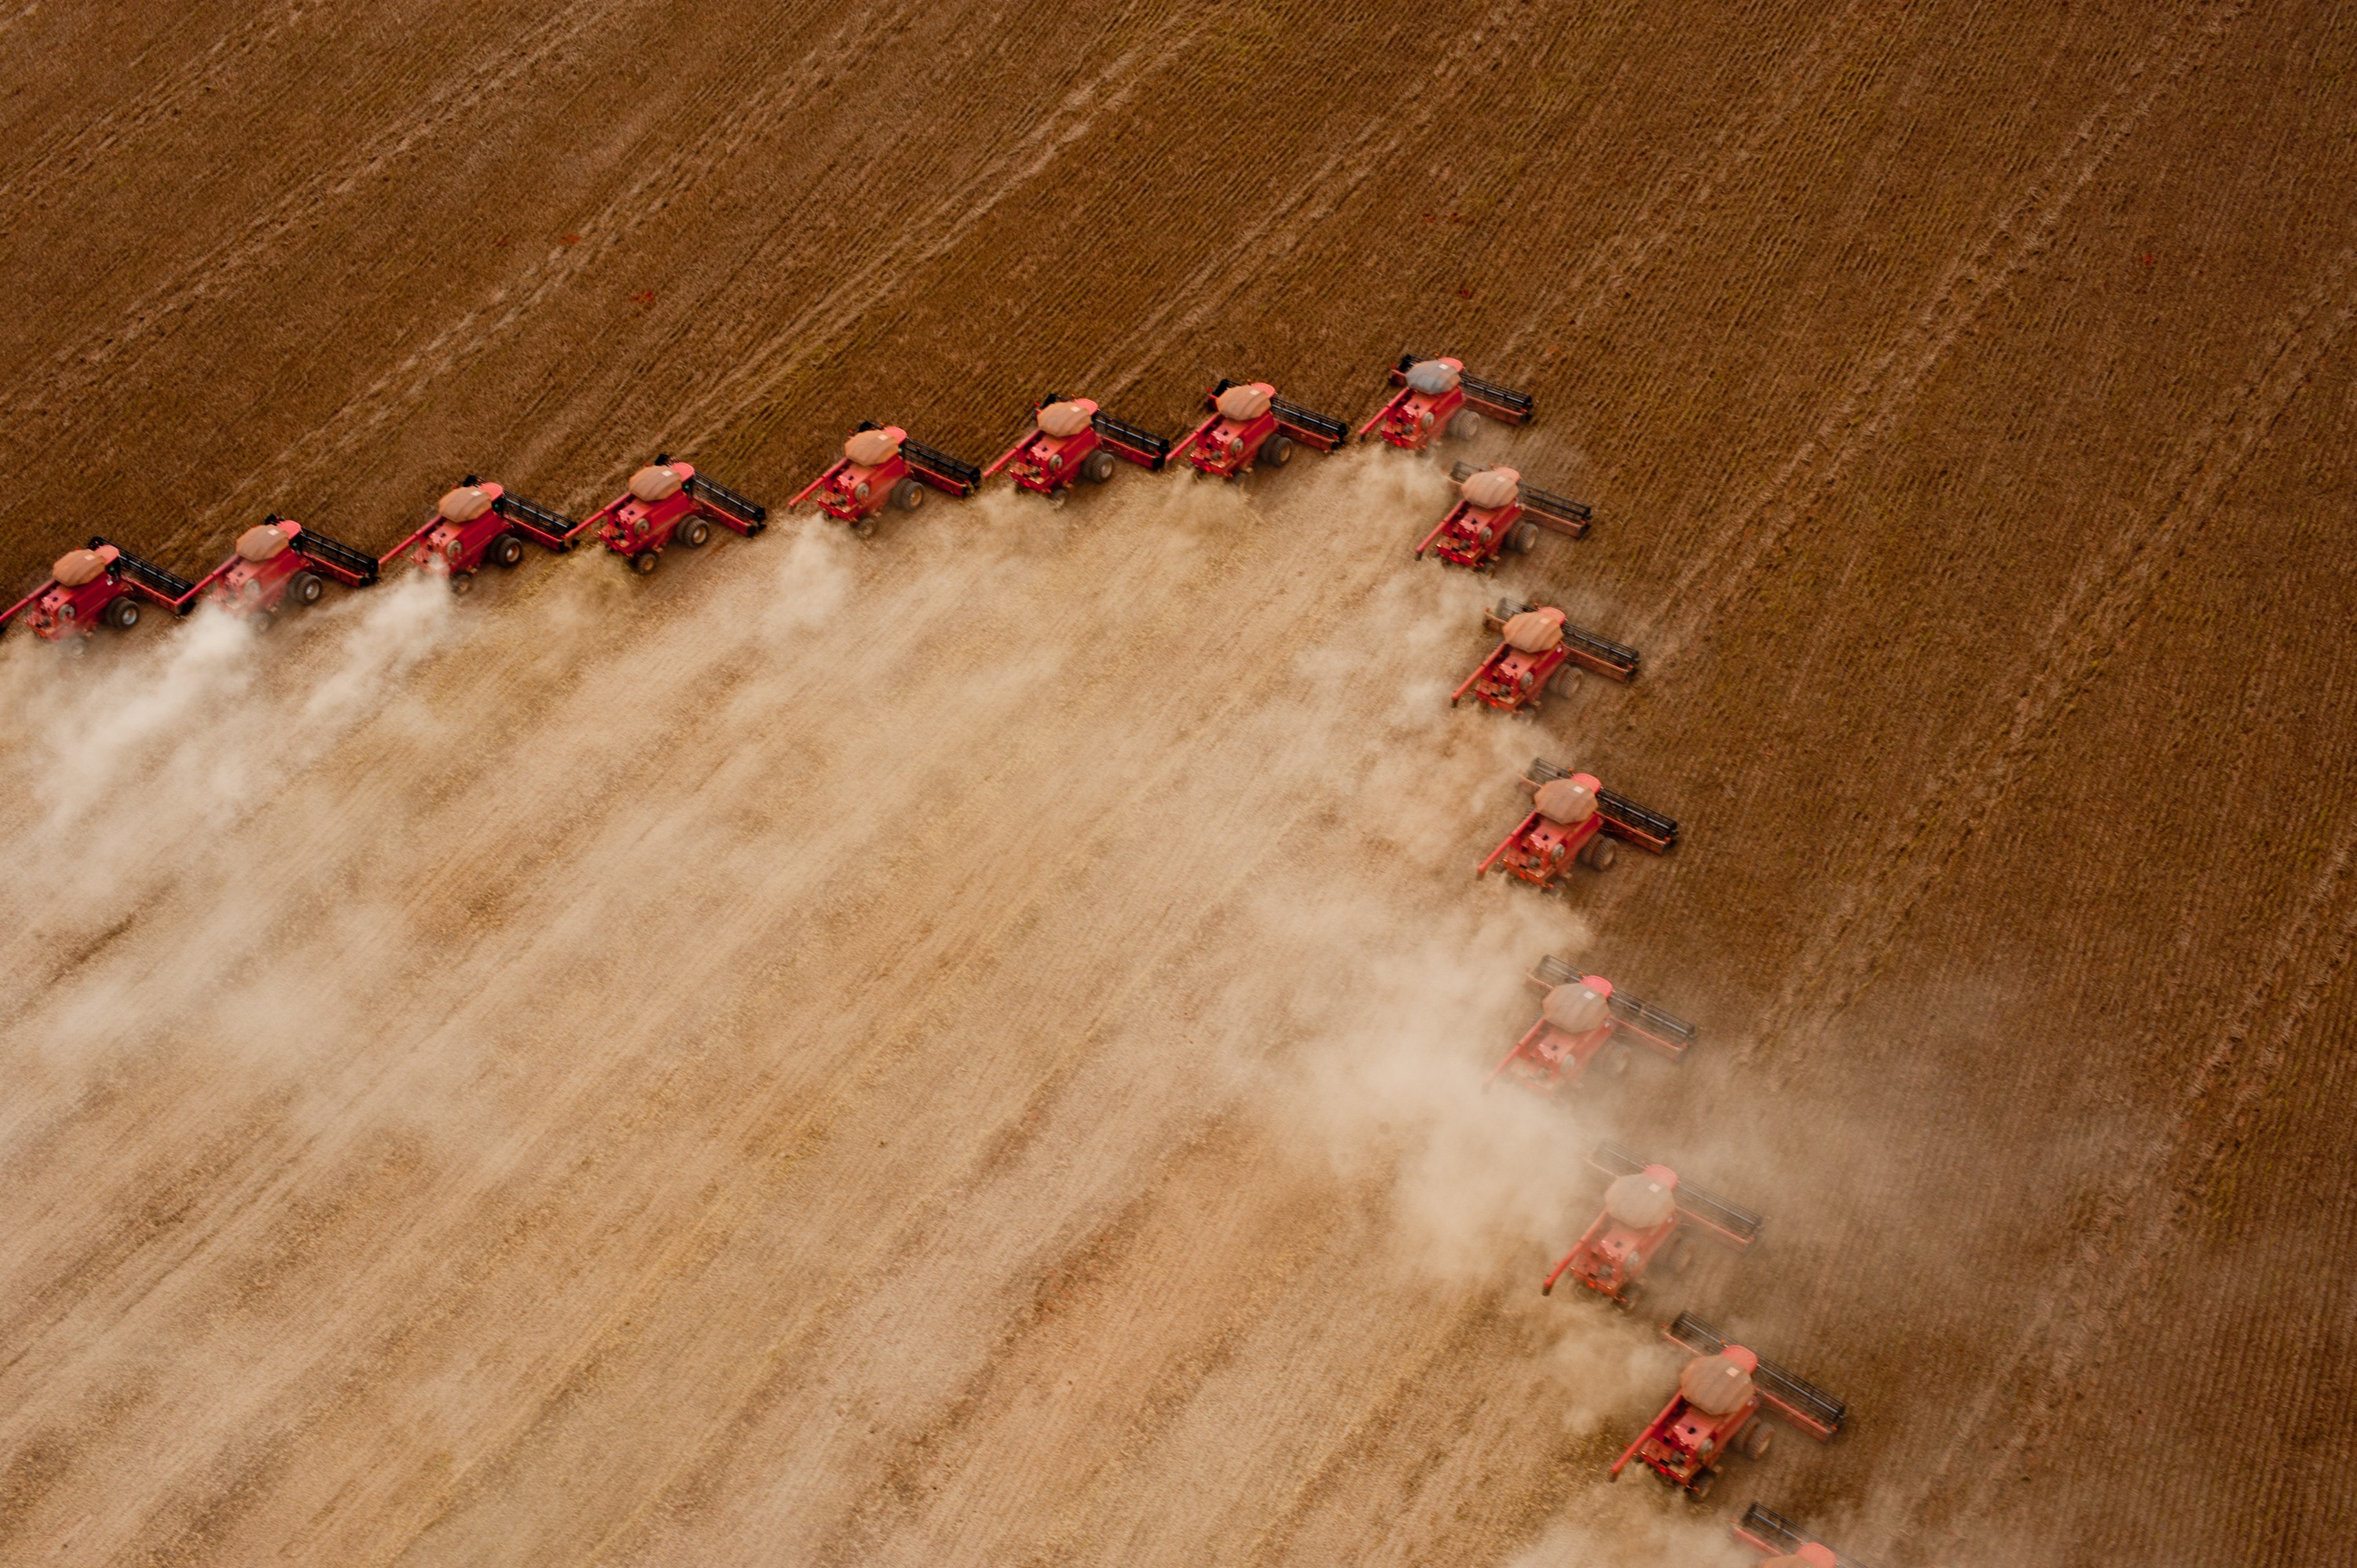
[(644, 561), (1681, 1255), (907, 495), (1464, 426), (693, 533), (304, 588), (122, 614), (1598, 855), (1097, 467), (504, 552), (1756, 1439), (1276, 451), (1564, 679), (1524, 538), (463, 582)]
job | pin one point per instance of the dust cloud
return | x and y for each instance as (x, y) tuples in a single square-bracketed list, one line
[(828, 980)]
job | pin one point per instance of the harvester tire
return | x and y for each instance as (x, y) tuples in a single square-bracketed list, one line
[(1756, 1439), (1097, 467), (304, 588), (644, 561), (1466, 426), (1564, 680), (1597, 853), (1524, 538), (1276, 452), (462, 583), (692, 533), (122, 614), (1618, 1062), (1681, 1255), (504, 552), (907, 495)]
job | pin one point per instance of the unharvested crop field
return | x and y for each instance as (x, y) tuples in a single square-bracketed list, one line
[(965, 1046)]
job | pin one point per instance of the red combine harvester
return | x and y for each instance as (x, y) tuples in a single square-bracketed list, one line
[(478, 523), (1721, 1395), (1436, 398), (1784, 1543), (1542, 654), (277, 561), (101, 585), (1250, 425), (1574, 817), (1496, 512), (879, 464), (669, 502), (1581, 1017), (1645, 1208), (1072, 438)]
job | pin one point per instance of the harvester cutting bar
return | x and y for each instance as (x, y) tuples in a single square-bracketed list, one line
[(176, 593), (727, 499), (1769, 1533), (354, 568), (1499, 403), (1796, 1399), (939, 469), (1315, 428), (1132, 442), (1607, 657), (1664, 1032), (542, 525)]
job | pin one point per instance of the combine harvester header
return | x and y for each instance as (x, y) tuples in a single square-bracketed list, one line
[(1572, 819), (880, 464), (279, 561), (1537, 656), (1713, 1412), (99, 585), (1496, 513), (1645, 1208), (1436, 398), (1250, 425), (1784, 1543), (1072, 438)]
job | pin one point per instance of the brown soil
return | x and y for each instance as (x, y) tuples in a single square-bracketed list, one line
[(965, 1047)]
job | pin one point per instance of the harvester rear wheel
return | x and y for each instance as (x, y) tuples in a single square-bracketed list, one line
[(1276, 452), (463, 582), (304, 588), (907, 495), (504, 552), (1597, 853), (693, 533), (1097, 467), (1756, 1439), (1524, 538), (644, 561), (122, 615)]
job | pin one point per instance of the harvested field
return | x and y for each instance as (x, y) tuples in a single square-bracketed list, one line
[(967, 1045)]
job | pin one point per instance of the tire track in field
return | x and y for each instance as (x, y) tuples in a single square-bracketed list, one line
[(1118, 366), (69, 154), (814, 331), (1724, 569), (1672, 206), (2104, 1278), (2105, 599), (451, 105)]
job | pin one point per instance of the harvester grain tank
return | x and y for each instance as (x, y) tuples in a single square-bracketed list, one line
[(1585, 1020), (1436, 398), (478, 523), (881, 466), (1573, 820), (1539, 653), (1073, 438), (669, 503), (1495, 511), (1721, 1395), (1250, 427), (99, 585), (1649, 1215), (279, 561)]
